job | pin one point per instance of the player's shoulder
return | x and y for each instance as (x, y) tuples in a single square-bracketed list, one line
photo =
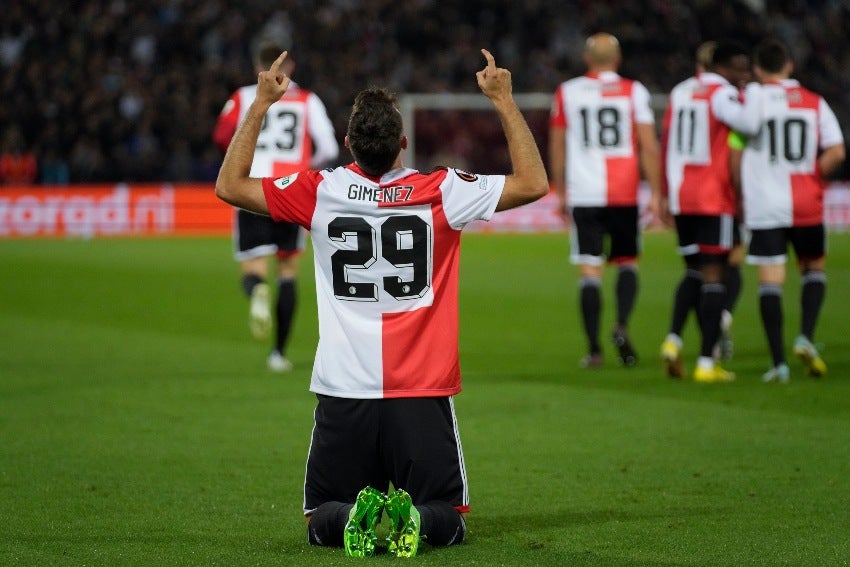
[(797, 93), (438, 172), (627, 80), (688, 84), (634, 86), (578, 81), (296, 90), (246, 90)]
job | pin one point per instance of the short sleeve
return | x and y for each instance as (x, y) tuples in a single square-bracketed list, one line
[(292, 198), (830, 130), (641, 100), (468, 196), (557, 113)]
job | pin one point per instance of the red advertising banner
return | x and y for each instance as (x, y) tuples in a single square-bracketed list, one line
[(116, 210), (541, 215), (193, 210)]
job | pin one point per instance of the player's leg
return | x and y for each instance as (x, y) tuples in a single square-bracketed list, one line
[(810, 246), (733, 282), (712, 297), (685, 297), (350, 526), (289, 239), (284, 312), (590, 303), (768, 252), (733, 279), (586, 244), (625, 237), (252, 247), (422, 447), (715, 241), (342, 463)]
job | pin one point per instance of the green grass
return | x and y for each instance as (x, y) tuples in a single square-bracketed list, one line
[(138, 425)]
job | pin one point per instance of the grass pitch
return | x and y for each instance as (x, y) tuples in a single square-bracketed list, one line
[(139, 425)]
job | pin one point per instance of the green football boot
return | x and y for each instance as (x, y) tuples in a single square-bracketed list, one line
[(403, 540), (359, 536)]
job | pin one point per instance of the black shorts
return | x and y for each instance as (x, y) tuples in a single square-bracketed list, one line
[(709, 236), (770, 245), (738, 233), (411, 442), (256, 235), (592, 224)]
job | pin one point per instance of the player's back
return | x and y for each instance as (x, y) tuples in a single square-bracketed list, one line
[(598, 112), (386, 257), (696, 152), (781, 182), (283, 145)]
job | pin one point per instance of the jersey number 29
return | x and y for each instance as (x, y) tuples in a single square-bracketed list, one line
[(405, 243)]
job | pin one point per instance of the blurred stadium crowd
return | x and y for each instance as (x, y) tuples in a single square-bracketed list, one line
[(114, 90)]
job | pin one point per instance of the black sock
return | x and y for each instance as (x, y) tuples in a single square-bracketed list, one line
[(249, 281), (627, 287), (732, 279), (442, 524), (327, 524), (712, 296), (686, 299), (591, 304), (811, 300), (285, 312), (770, 305)]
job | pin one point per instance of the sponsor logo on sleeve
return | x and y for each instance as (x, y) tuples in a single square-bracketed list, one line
[(466, 176), (284, 182)]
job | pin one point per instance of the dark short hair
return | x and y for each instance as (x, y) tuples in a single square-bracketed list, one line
[(375, 130), (265, 53), (771, 55), (726, 51)]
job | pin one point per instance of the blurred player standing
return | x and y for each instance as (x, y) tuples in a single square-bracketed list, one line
[(700, 113), (601, 136), (296, 134), (739, 75), (686, 297), (782, 170), (386, 244)]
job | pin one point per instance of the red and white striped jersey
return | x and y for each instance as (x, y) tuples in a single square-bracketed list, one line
[(386, 257), (779, 172), (599, 112), (700, 112), (291, 128)]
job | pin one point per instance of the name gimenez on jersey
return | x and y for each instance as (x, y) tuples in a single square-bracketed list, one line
[(396, 194)]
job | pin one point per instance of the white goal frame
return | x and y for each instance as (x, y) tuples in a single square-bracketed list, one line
[(410, 103)]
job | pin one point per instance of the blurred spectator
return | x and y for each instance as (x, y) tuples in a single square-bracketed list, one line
[(18, 165), (124, 82), (54, 168)]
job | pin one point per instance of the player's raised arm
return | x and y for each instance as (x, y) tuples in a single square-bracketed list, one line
[(528, 181), (233, 184)]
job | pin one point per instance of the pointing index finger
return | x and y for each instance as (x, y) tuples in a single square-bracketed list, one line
[(491, 61), (278, 62)]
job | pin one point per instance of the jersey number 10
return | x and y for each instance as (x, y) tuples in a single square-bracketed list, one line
[(791, 134)]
